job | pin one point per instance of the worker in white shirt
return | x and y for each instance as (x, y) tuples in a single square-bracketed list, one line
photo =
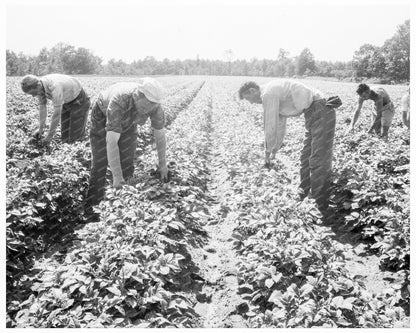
[(70, 105), (287, 98), (406, 108)]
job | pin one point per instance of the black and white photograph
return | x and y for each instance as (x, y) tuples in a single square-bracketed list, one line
[(208, 165)]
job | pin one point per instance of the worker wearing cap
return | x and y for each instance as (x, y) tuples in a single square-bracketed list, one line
[(114, 119), (383, 111), (287, 98), (70, 105)]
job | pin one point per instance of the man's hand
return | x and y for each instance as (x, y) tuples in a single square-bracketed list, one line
[(38, 134), (118, 182), (164, 171), (267, 158), (46, 141), (160, 138)]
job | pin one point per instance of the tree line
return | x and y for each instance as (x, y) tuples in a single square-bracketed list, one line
[(389, 62)]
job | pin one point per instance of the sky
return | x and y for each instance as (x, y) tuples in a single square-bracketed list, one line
[(186, 29)]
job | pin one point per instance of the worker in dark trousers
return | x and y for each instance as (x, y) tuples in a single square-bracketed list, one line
[(114, 119), (287, 98), (70, 105)]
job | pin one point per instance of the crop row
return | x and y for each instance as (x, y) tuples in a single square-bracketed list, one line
[(132, 267), (45, 197), (22, 110), (371, 189), (291, 273), (40, 189), (371, 192), (371, 186), (135, 268)]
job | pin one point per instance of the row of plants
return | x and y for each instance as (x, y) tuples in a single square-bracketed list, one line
[(178, 100), (32, 183), (45, 195), (371, 187), (43, 204), (22, 115), (133, 267), (371, 184), (371, 192), (39, 189), (291, 273)]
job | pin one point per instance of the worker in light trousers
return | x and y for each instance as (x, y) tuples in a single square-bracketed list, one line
[(382, 114)]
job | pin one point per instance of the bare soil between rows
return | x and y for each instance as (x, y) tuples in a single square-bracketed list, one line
[(218, 298)]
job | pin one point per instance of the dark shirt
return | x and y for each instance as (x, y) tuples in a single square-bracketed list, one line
[(117, 104)]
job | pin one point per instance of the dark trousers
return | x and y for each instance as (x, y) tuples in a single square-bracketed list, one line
[(74, 118), (316, 156), (127, 147)]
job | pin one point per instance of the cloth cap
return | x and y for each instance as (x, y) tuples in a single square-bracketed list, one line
[(152, 89), (334, 102), (29, 82)]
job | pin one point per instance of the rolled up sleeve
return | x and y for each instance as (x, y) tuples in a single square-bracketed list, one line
[(274, 123), (157, 118), (114, 116)]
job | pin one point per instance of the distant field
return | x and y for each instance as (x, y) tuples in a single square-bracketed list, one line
[(225, 243)]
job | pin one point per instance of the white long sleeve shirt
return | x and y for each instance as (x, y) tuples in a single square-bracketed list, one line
[(281, 99), (60, 89), (406, 103)]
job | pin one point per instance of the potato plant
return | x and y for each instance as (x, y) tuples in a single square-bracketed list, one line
[(138, 266), (291, 273), (46, 186)]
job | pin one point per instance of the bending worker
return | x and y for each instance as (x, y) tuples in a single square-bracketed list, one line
[(70, 105), (383, 111), (287, 98), (114, 119)]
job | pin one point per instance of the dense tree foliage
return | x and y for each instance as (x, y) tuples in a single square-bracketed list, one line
[(389, 62), (61, 58), (305, 63), (66, 59)]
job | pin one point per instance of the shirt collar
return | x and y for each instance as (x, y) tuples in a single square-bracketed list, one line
[(45, 88)]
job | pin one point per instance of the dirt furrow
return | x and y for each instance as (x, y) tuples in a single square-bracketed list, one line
[(219, 299)]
